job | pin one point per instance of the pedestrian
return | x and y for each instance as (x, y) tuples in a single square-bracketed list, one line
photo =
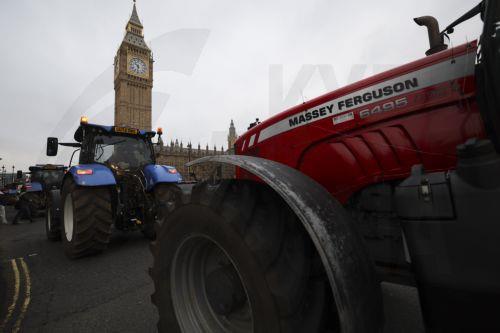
[(24, 209), (3, 218)]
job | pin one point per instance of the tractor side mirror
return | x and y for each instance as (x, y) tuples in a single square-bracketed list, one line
[(52, 146), (19, 174)]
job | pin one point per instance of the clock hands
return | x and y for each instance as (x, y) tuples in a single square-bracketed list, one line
[(137, 65)]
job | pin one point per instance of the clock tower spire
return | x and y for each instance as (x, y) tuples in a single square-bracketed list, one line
[(133, 77)]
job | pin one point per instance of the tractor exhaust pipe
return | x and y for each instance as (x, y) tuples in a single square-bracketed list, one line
[(436, 40)]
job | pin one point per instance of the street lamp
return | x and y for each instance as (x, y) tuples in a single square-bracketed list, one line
[(13, 179), (189, 160)]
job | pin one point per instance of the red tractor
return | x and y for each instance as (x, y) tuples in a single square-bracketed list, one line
[(392, 178)]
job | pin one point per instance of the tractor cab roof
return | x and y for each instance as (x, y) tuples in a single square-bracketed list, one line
[(43, 167), (111, 130)]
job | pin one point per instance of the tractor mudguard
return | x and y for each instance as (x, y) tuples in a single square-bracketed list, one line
[(55, 202), (350, 271), (35, 187), (157, 174), (91, 175)]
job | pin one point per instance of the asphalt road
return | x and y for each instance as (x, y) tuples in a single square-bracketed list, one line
[(108, 292)]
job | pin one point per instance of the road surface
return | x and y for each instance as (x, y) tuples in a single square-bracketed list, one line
[(43, 291)]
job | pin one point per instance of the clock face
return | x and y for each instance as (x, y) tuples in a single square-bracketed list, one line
[(137, 66)]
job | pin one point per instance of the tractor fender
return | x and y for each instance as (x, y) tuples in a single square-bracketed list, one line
[(100, 175), (35, 187), (55, 203), (157, 174), (351, 273)]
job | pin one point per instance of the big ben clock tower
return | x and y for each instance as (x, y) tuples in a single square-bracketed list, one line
[(133, 78)]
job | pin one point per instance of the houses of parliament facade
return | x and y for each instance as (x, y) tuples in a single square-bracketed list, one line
[(133, 83)]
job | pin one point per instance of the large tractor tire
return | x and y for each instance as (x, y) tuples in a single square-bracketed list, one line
[(86, 219), (52, 222), (36, 203), (166, 198), (236, 259)]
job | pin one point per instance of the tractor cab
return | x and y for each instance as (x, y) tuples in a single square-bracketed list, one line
[(45, 177), (120, 148)]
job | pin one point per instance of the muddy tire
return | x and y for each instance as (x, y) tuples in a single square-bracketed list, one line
[(86, 219), (235, 259), (166, 198)]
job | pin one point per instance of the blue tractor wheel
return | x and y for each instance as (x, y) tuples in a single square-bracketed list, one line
[(166, 198), (86, 219)]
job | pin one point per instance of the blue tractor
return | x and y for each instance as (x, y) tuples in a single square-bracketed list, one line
[(116, 183), (43, 179)]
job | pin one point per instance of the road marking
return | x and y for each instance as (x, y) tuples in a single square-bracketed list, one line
[(12, 306), (27, 296)]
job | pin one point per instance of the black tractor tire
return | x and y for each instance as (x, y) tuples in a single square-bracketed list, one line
[(166, 198), (36, 201), (257, 240), (86, 219), (52, 224)]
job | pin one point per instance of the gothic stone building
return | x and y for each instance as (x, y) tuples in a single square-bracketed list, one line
[(133, 78), (177, 155), (133, 85)]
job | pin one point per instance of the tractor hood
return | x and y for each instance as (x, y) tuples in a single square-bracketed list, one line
[(349, 107)]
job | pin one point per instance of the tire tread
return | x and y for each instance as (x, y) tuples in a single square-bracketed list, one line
[(92, 214)]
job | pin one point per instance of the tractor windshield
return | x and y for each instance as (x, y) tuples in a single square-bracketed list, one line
[(47, 177), (122, 152)]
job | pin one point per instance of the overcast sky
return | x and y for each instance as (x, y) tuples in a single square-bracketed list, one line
[(215, 60)]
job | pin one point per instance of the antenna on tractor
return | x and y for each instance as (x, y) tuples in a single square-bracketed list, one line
[(303, 99)]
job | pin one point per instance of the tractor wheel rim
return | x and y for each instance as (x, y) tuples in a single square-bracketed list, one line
[(49, 217), (207, 291), (68, 217)]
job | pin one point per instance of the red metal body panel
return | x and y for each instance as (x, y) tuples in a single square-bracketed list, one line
[(367, 132)]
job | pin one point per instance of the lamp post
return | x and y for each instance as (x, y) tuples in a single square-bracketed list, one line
[(189, 160), (3, 175), (13, 179)]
